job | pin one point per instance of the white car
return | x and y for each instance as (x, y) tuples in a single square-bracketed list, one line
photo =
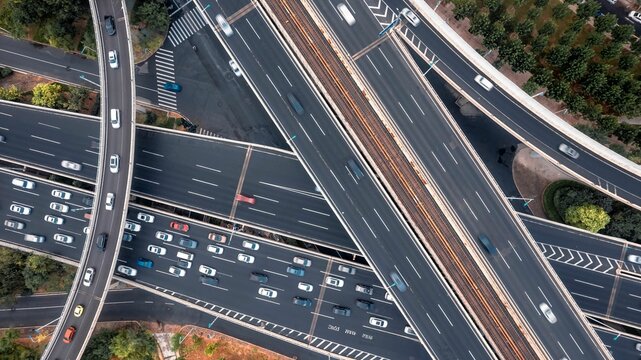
[(113, 59), (376, 321), (224, 25), (204, 269), (54, 219), (547, 312), (305, 287), (250, 245), (145, 217), (161, 235), (85, 230), (109, 201), (176, 271), (71, 165), (635, 16), (336, 282), (302, 261), (245, 258), (564, 148), (63, 238), (266, 292), (129, 271), (20, 209), (410, 17), (409, 331), (158, 250), (485, 83), (388, 296), (88, 278), (235, 68), (64, 195), (59, 207), (132, 226), (114, 163), (25, 184), (634, 259), (215, 249)]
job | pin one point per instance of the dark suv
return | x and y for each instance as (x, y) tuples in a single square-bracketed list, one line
[(342, 310), (110, 26), (364, 304), (101, 241), (188, 243), (258, 277)]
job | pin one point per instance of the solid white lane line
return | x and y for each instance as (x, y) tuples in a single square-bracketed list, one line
[(262, 211), (148, 167), (314, 225), (47, 125), (444, 314), (532, 302), (483, 202), (266, 198), (417, 105), (546, 298), (577, 344), (449, 152), (388, 63), (304, 132), (405, 112), (561, 346), (370, 229), (279, 260), (335, 178), (207, 168), (469, 208), (381, 219), (45, 139), (585, 296), (153, 153), (412, 265), (275, 273), (316, 212), (204, 182), (252, 26), (319, 127), (433, 323), (145, 180), (371, 62), (438, 161), (636, 296), (501, 255), (243, 39), (274, 85), (42, 152), (285, 76), (631, 308), (588, 283), (513, 249), (201, 195)]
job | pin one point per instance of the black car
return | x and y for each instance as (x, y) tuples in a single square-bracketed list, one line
[(87, 201), (364, 304), (110, 26), (207, 280), (127, 237), (101, 241), (258, 277), (188, 243), (304, 302), (342, 310)]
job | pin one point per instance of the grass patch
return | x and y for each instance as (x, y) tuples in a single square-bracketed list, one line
[(549, 199)]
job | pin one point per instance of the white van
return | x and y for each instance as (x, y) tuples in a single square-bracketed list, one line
[(346, 14), (224, 25), (34, 238), (185, 255), (114, 118), (485, 83)]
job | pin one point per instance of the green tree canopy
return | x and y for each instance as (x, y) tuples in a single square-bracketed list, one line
[(587, 216), (560, 11), (154, 14), (480, 23), (605, 23), (588, 9), (98, 347), (626, 224), (12, 93), (47, 95), (133, 344), (622, 33)]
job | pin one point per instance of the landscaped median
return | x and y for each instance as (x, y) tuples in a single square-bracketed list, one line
[(577, 205)]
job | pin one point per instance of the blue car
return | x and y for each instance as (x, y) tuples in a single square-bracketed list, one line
[(145, 263), (171, 86)]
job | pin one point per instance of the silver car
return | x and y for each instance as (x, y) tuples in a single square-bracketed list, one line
[(129, 271), (161, 235), (59, 207), (547, 312), (88, 278), (54, 219), (114, 163), (176, 271), (410, 17), (245, 258), (113, 59), (71, 165), (66, 239), (20, 209), (13, 224), (158, 250), (569, 151)]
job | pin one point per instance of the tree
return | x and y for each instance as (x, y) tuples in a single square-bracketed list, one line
[(11, 279), (577, 62), (480, 23), (543, 76), (605, 23), (530, 86), (154, 14), (548, 28), (12, 93), (558, 90), (575, 103), (5, 71), (47, 95), (132, 344), (596, 80), (558, 55), (622, 33), (493, 36), (594, 39), (175, 341), (58, 35), (98, 347), (540, 3), (568, 38), (625, 224), (610, 51), (464, 9), (211, 348), (37, 270), (539, 44), (77, 97), (560, 11), (587, 216), (628, 60), (524, 30), (494, 6), (588, 9), (636, 47), (608, 124), (626, 132), (534, 13)]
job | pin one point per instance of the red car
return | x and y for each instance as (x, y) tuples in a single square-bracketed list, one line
[(247, 199), (69, 333), (179, 226)]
